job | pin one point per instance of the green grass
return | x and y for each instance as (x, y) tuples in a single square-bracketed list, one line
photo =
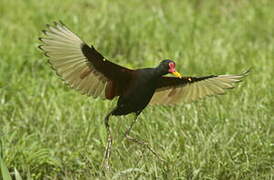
[(49, 131)]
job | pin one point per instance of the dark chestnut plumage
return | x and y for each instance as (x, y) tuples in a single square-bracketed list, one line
[(85, 69)]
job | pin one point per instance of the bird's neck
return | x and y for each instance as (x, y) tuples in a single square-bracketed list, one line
[(158, 72)]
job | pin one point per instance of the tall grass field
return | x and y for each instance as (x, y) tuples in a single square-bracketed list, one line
[(49, 131)]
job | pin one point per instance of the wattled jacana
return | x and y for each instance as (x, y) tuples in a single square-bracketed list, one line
[(85, 69)]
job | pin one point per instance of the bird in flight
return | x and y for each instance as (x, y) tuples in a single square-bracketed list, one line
[(83, 68)]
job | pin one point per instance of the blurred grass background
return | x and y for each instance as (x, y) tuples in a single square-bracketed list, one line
[(48, 131)]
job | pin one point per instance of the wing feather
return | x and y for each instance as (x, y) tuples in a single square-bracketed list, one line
[(190, 89), (79, 65)]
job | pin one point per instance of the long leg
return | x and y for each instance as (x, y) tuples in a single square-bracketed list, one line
[(131, 125), (109, 143), (140, 142)]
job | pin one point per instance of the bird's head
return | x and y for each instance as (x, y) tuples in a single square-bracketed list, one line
[(168, 66)]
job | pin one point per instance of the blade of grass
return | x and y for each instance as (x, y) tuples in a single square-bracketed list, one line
[(17, 175), (4, 170)]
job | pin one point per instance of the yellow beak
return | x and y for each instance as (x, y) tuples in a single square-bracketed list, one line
[(175, 73)]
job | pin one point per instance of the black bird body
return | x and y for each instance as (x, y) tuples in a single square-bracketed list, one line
[(139, 93), (86, 70), (83, 68)]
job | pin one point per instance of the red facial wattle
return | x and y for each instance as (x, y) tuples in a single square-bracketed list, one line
[(171, 67), (173, 71)]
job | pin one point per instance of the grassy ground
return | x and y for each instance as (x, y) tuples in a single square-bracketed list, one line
[(49, 131)]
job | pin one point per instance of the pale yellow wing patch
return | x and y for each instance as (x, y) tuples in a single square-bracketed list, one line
[(63, 48), (192, 91)]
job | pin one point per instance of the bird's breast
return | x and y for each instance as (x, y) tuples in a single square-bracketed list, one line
[(138, 94)]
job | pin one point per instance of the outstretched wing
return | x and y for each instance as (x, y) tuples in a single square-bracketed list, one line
[(171, 90), (81, 66)]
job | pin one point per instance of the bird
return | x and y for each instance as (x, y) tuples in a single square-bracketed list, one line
[(85, 69)]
